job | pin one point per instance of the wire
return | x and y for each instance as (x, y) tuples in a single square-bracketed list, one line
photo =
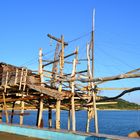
[(116, 58), (80, 37)]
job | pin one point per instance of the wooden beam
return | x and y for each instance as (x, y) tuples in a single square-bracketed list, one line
[(114, 88), (57, 39), (58, 59)]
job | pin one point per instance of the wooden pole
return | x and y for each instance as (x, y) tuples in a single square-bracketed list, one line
[(54, 71), (92, 40), (73, 93), (16, 77), (23, 81), (21, 113), (69, 118), (0, 113), (24, 77), (92, 75), (40, 71), (21, 78), (93, 93), (58, 102), (3, 93), (12, 115), (50, 117)]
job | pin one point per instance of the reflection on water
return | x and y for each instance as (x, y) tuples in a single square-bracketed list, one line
[(110, 122)]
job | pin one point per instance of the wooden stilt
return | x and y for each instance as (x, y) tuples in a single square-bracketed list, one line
[(73, 114), (0, 113), (5, 108), (53, 84), (12, 115), (72, 90), (58, 102), (90, 115), (21, 79), (95, 113), (22, 112), (40, 112), (50, 117), (4, 101), (69, 118), (88, 121), (16, 77), (24, 77), (93, 93), (40, 109)]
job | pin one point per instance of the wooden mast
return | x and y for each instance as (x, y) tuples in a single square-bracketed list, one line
[(94, 94), (58, 102)]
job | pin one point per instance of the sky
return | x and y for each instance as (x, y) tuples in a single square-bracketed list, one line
[(24, 25)]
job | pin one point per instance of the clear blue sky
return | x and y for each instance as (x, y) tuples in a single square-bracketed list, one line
[(24, 25)]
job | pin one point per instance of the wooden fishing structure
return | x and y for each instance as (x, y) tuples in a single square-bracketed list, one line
[(45, 89)]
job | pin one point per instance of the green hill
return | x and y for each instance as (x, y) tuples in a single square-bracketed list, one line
[(121, 104)]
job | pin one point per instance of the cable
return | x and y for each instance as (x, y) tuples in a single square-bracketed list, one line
[(121, 61), (80, 37)]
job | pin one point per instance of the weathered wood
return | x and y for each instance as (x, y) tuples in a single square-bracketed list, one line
[(69, 118), (24, 79), (58, 102), (56, 39), (12, 114), (22, 111), (110, 78), (28, 98), (6, 81), (0, 113), (58, 105), (83, 71), (93, 92), (90, 115), (73, 93), (21, 78), (16, 76), (50, 117), (58, 59), (5, 108), (40, 71), (114, 88), (51, 92), (55, 65)]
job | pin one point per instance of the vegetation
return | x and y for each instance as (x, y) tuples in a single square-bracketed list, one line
[(121, 104)]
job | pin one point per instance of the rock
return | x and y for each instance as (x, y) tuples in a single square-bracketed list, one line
[(135, 134)]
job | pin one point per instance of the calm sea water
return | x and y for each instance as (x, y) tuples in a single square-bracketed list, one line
[(110, 122)]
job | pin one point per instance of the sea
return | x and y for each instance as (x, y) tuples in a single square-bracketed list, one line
[(114, 122)]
